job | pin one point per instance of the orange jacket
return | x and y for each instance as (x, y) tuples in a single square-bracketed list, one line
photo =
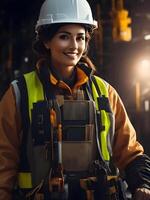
[(125, 147)]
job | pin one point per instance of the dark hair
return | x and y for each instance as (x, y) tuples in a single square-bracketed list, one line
[(47, 32), (44, 34)]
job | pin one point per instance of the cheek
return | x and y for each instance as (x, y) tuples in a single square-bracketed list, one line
[(61, 45), (82, 47), (57, 45)]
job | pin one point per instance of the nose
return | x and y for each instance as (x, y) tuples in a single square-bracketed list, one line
[(74, 44)]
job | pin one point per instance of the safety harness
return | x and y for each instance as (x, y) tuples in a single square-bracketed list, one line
[(53, 124)]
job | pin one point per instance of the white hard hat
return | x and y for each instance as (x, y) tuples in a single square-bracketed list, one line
[(65, 11)]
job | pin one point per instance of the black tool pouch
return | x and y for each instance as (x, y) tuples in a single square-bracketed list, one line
[(109, 186), (39, 153), (40, 123), (101, 189)]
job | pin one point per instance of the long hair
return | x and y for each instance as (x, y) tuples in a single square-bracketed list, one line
[(46, 33)]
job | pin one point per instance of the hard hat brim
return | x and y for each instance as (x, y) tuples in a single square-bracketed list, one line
[(93, 25)]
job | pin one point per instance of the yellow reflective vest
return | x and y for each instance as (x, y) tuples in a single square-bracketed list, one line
[(100, 96)]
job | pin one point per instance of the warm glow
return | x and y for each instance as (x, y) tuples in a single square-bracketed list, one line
[(147, 37), (144, 69)]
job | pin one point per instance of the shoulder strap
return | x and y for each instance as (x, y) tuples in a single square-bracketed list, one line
[(21, 95), (100, 96)]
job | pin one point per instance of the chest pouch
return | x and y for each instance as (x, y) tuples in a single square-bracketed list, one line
[(79, 143), (40, 123), (39, 143)]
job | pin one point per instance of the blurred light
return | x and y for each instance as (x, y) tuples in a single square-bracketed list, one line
[(144, 69), (147, 37), (146, 105), (26, 59), (16, 73), (145, 63)]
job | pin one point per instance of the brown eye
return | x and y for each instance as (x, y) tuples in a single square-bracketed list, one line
[(81, 38), (64, 37)]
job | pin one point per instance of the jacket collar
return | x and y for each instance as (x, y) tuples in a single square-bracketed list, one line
[(83, 72)]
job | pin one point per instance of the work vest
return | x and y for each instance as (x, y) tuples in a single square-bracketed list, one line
[(35, 93)]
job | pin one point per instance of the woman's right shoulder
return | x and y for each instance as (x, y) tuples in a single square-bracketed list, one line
[(8, 97)]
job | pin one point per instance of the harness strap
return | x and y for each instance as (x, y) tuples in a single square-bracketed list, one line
[(100, 93), (20, 90)]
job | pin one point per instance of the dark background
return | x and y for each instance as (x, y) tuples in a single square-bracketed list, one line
[(115, 61)]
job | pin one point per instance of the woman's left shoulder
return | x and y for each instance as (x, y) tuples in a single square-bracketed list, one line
[(111, 90)]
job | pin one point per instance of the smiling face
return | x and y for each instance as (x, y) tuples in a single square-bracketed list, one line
[(67, 47)]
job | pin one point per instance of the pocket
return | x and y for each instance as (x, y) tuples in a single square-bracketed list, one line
[(80, 152)]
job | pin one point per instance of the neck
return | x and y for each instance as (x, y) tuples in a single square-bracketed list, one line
[(63, 73), (68, 78)]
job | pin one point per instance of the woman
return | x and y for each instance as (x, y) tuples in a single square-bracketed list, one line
[(43, 104)]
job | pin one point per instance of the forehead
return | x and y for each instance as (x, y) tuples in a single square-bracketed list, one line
[(72, 28)]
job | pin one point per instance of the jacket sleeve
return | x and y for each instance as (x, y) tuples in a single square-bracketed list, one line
[(125, 146), (9, 143), (127, 151), (139, 168)]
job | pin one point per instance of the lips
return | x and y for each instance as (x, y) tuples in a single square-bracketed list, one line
[(71, 55)]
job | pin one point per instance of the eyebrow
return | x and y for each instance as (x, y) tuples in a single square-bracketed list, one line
[(66, 32)]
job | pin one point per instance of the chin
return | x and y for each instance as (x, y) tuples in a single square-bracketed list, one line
[(73, 63)]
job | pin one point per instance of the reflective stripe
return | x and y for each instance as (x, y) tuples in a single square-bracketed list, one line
[(34, 88), (104, 133), (17, 93), (105, 119), (25, 180)]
